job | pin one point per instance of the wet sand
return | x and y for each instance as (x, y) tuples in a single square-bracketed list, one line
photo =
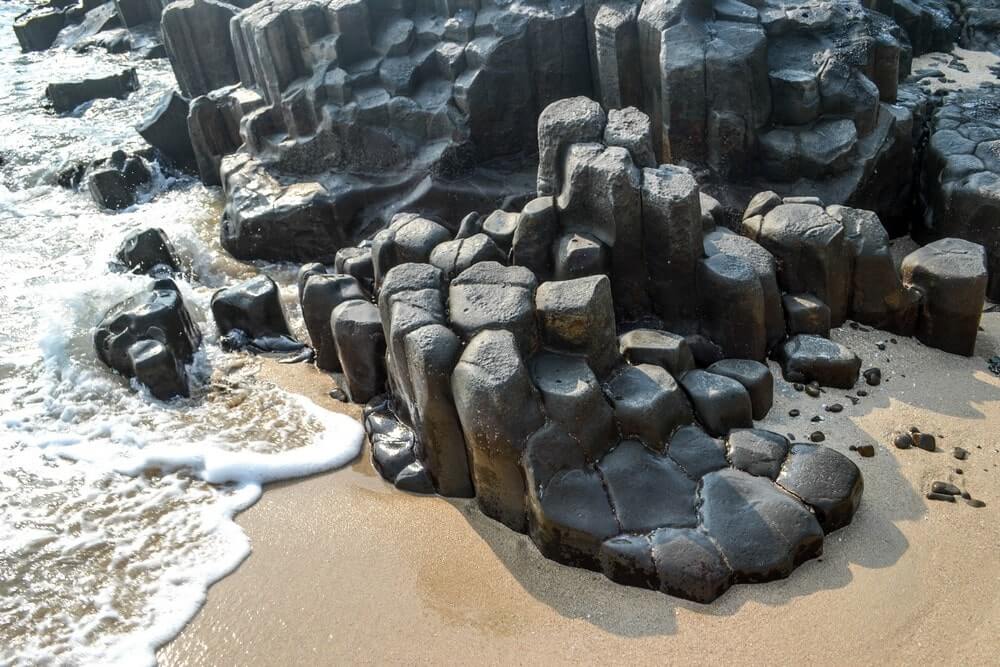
[(347, 569)]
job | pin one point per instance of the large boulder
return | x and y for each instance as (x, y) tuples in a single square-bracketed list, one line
[(806, 358), (166, 130), (199, 45), (951, 276), (147, 251), (253, 307), (68, 95), (152, 338)]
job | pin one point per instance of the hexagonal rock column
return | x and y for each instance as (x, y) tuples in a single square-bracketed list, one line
[(253, 307), (409, 238), (359, 344), (649, 405), (320, 295), (660, 348), (492, 296), (806, 358), (721, 403), (672, 240), (811, 251), (951, 275), (499, 409), (733, 306), (577, 316)]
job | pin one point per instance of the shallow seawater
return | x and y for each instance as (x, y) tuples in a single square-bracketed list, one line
[(115, 508)]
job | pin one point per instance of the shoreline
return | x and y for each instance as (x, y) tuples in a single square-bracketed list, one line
[(345, 567)]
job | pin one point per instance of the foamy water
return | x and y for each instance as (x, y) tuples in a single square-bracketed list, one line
[(115, 508)]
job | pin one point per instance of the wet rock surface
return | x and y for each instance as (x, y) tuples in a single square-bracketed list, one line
[(152, 338)]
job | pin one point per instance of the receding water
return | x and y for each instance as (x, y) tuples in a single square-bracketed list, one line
[(115, 508)]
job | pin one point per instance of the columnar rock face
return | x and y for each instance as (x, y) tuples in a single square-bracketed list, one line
[(368, 108), (962, 176), (610, 449)]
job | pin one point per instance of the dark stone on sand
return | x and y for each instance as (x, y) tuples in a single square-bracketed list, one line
[(806, 358), (866, 451), (824, 479), (836, 407), (253, 307), (925, 441), (794, 412), (873, 377), (933, 495), (960, 453), (817, 436), (903, 441), (946, 487)]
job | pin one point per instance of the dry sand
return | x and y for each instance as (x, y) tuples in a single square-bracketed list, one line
[(347, 569)]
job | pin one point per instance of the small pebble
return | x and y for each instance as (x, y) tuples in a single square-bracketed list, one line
[(853, 399), (338, 394), (794, 412), (836, 407), (817, 436), (975, 502), (931, 495), (903, 441), (791, 436), (880, 346), (925, 441), (862, 392), (812, 391), (893, 341), (866, 451), (798, 386), (960, 453), (966, 495), (959, 471), (815, 419), (945, 487), (853, 448), (914, 429)]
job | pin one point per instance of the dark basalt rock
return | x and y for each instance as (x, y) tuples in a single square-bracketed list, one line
[(807, 358), (114, 183), (647, 490), (648, 404), (763, 532), (150, 337), (66, 96), (659, 348), (825, 480), (697, 452), (689, 564), (252, 307), (754, 376), (757, 451), (577, 316), (573, 400), (166, 130), (147, 251), (951, 276), (320, 295), (37, 29), (720, 403), (359, 344), (805, 314)]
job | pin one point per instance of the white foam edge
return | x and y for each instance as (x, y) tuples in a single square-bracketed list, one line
[(336, 445)]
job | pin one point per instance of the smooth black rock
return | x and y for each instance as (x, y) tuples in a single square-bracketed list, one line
[(321, 294), (806, 314), (577, 316), (574, 518), (925, 441), (873, 377), (825, 480), (36, 30), (835, 407), (359, 345), (66, 96), (648, 404), (151, 337), (647, 490), (661, 348), (753, 375), (573, 399), (806, 358), (147, 251), (934, 495), (946, 487), (628, 560), (696, 452), (689, 564), (757, 451), (253, 307), (960, 453), (866, 451), (817, 436), (762, 531), (165, 128), (951, 274), (499, 408), (490, 296), (721, 403), (414, 478)]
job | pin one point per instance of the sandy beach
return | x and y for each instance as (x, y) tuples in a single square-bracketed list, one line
[(347, 569)]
